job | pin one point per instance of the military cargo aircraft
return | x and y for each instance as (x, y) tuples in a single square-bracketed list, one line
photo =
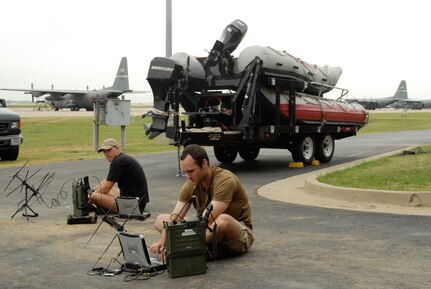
[(77, 99), (373, 103)]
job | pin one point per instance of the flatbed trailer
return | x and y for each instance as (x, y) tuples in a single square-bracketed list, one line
[(306, 140), (241, 108)]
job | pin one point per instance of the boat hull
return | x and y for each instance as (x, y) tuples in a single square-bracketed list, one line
[(283, 65), (314, 109)]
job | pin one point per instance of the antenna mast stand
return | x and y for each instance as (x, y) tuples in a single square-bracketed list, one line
[(25, 205), (30, 190)]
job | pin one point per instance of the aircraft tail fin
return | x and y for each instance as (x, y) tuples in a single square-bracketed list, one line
[(121, 81), (401, 92)]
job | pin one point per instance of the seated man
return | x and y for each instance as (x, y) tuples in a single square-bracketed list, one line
[(126, 172), (231, 211)]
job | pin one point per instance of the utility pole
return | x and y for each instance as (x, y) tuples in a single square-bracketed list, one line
[(168, 28)]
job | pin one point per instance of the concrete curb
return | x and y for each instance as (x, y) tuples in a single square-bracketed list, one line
[(307, 190), (399, 198)]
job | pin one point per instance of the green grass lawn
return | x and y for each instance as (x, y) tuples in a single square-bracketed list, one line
[(398, 173), (396, 121), (71, 138)]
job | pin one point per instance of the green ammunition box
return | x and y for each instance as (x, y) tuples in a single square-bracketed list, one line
[(185, 249)]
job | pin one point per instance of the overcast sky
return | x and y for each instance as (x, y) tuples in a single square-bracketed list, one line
[(74, 44)]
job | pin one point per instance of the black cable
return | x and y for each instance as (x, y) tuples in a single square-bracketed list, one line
[(97, 179), (140, 271), (62, 195), (55, 202), (182, 209), (101, 271), (98, 259), (136, 276), (177, 216), (214, 231)]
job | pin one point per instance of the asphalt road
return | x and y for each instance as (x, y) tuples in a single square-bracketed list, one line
[(296, 246)]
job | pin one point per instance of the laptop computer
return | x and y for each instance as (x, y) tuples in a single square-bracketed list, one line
[(128, 207), (135, 253)]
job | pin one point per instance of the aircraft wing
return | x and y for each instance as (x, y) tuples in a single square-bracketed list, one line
[(40, 92), (60, 92), (367, 104), (139, 91), (16, 89)]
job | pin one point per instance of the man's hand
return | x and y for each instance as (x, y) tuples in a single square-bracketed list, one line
[(158, 248)]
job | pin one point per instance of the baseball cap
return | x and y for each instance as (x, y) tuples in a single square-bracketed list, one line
[(108, 144)]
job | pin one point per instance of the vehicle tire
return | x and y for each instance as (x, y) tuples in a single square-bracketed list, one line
[(249, 153), (225, 155), (9, 155), (304, 149), (325, 148)]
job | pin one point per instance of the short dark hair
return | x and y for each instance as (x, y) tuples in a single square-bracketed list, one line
[(198, 153)]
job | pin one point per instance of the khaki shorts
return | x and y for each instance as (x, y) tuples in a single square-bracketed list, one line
[(243, 241)]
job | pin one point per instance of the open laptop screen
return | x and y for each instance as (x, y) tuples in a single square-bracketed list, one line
[(134, 249), (128, 206)]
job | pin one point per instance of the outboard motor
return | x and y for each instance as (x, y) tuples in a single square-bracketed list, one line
[(163, 73), (171, 77), (221, 52)]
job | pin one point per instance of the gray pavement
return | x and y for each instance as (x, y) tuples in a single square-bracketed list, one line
[(297, 246)]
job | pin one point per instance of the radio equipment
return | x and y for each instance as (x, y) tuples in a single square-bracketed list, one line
[(81, 204), (185, 248)]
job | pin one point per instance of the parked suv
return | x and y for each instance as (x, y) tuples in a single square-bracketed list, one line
[(10, 133)]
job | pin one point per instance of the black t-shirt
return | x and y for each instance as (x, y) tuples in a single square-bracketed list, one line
[(130, 177)]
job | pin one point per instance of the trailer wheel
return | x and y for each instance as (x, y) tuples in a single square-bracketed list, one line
[(225, 155), (249, 153), (304, 149), (325, 148)]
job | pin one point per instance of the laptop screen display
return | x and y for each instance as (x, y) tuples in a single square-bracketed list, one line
[(134, 249)]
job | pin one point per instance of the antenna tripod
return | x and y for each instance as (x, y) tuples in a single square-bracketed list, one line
[(30, 191), (26, 200)]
